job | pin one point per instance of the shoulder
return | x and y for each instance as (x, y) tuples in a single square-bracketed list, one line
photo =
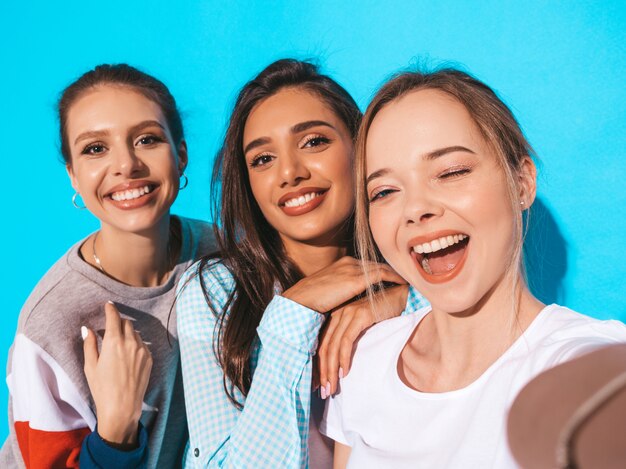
[(54, 287), (201, 236), (562, 323), (210, 273), (206, 285), (565, 333), (382, 342)]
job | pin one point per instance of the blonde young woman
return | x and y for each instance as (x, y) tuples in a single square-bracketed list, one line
[(444, 179)]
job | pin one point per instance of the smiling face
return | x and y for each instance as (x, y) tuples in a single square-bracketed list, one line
[(440, 210), (299, 159), (123, 160)]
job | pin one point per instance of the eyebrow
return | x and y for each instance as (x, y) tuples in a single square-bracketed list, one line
[(297, 128), (428, 156), (103, 133)]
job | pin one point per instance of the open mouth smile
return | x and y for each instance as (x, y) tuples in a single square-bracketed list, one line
[(133, 195), (441, 257), (303, 201)]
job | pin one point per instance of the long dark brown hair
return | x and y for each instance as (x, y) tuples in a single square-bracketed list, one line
[(248, 245)]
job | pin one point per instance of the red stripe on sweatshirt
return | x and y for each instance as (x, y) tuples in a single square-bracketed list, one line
[(41, 449)]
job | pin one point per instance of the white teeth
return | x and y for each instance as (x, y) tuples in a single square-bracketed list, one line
[(130, 194), (438, 244), (299, 201)]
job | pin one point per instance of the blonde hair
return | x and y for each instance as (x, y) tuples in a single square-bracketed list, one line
[(495, 122)]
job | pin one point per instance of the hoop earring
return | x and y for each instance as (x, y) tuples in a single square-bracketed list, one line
[(74, 197), (185, 181)]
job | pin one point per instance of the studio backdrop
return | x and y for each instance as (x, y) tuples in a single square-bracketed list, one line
[(559, 65)]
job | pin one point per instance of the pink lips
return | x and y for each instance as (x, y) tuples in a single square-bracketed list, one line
[(306, 207)]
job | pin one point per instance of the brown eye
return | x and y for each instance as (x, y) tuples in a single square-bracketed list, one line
[(94, 149), (315, 141), (261, 160), (149, 140)]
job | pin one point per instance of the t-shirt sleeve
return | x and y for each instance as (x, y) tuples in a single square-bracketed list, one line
[(332, 424), (584, 337)]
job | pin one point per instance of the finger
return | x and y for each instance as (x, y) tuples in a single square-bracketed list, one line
[(348, 342), (333, 321), (383, 273), (113, 320), (128, 330), (90, 350), (332, 360)]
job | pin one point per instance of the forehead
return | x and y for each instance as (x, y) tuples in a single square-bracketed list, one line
[(420, 122), (111, 106), (284, 109)]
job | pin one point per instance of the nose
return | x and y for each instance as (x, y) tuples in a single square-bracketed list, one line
[(421, 206), (126, 162), (291, 169)]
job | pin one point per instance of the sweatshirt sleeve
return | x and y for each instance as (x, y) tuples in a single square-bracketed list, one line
[(50, 419), (272, 428), (96, 453)]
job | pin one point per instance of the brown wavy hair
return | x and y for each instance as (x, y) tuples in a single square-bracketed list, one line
[(248, 245)]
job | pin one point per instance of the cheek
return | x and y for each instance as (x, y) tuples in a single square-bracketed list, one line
[(383, 232), (259, 186)]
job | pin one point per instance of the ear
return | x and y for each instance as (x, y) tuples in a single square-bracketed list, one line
[(72, 177), (528, 182), (182, 156)]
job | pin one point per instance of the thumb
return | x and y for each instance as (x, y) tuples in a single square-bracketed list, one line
[(90, 349)]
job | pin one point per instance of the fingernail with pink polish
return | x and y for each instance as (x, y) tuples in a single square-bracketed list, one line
[(340, 373), (84, 332), (328, 389), (323, 392)]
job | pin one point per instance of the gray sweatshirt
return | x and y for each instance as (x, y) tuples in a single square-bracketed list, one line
[(50, 406)]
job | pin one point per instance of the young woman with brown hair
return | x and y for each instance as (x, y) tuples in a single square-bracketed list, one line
[(444, 178), (249, 319), (123, 145)]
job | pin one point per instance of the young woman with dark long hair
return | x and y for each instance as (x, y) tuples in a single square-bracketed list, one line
[(123, 145), (444, 178), (249, 319)]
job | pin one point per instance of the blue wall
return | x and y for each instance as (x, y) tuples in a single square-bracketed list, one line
[(560, 65)]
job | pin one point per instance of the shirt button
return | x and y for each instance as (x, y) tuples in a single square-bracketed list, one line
[(196, 452)]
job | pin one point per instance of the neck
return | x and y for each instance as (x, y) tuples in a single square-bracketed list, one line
[(461, 346), (313, 258), (137, 259)]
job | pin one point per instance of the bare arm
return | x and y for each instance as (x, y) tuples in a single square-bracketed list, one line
[(341, 456)]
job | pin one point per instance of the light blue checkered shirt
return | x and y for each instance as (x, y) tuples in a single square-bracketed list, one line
[(272, 429)]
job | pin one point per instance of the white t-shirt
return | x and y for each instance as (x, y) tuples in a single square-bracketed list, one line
[(389, 425)]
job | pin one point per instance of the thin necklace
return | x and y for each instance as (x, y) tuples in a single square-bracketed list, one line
[(95, 256), (99, 263)]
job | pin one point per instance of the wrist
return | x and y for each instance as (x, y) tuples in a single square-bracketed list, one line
[(294, 295), (122, 437)]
